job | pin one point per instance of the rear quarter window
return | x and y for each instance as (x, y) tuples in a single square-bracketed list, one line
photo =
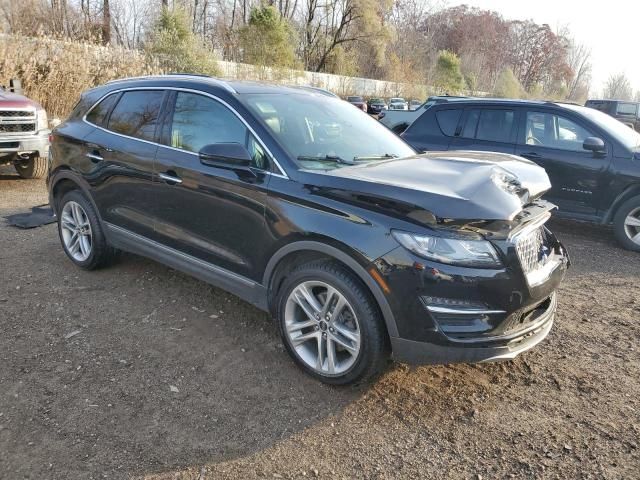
[(448, 120), (98, 114)]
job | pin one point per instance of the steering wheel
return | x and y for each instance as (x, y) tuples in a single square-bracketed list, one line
[(535, 140)]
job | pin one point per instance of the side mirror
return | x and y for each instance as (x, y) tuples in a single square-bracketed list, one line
[(594, 144), (226, 155)]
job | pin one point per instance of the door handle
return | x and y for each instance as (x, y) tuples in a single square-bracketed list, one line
[(94, 157), (530, 155), (170, 179)]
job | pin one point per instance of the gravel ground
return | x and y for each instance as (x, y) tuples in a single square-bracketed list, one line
[(138, 371)]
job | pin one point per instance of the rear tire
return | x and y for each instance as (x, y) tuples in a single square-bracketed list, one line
[(81, 234), (35, 167), (626, 224), (353, 332)]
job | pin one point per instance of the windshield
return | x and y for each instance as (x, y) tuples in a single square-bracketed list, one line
[(354, 99), (625, 135), (397, 100), (325, 133)]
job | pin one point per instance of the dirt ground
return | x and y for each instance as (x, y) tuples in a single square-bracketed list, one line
[(138, 371)]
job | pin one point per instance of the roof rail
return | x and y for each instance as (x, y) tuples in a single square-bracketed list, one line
[(199, 76)]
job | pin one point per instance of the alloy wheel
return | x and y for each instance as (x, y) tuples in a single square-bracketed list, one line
[(322, 328), (632, 225), (76, 231)]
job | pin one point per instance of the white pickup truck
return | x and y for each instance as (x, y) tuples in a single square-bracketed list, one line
[(399, 120), (24, 135)]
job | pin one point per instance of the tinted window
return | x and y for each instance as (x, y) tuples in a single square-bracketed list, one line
[(98, 114), (554, 131), (136, 114), (200, 121), (495, 125), (448, 120), (627, 108), (470, 126)]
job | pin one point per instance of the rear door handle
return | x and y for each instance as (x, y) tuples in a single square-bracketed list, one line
[(530, 155), (170, 178)]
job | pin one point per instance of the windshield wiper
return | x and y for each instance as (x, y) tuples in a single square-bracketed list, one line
[(325, 158), (375, 157)]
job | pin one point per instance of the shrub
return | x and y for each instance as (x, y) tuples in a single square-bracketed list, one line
[(177, 49), (268, 39), (508, 86), (448, 76)]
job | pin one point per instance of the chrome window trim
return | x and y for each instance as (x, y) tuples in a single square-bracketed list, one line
[(282, 174)]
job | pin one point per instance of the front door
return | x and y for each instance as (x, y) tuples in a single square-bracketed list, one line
[(213, 214), (555, 143)]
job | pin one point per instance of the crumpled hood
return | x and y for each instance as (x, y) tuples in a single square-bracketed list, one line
[(460, 185)]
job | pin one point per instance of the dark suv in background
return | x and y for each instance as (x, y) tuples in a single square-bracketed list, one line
[(312, 210), (593, 160), (627, 112)]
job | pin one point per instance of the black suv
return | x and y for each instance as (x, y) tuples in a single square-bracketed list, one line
[(316, 213), (627, 112), (593, 160)]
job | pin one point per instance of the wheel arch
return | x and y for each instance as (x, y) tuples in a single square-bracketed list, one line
[(630, 191), (64, 181), (292, 254)]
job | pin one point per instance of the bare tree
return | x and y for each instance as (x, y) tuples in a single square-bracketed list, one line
[(618, 87), (579, 59)]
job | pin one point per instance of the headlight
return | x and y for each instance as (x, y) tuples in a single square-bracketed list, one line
[(452, 251), (507, 182), (43, 123)]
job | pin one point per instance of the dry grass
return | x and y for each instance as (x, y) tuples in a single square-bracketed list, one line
[(55, 72)]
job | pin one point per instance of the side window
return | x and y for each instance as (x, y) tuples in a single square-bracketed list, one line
[(626, 108), (491, 125), (136, 114), (448, 120), (98, 114), (554, 131), (495, 125), (470, 127), (199, 121)]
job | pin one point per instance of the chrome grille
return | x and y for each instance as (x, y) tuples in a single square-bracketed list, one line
[(17, 113), (18, 121), (18, 128), (528, 248)]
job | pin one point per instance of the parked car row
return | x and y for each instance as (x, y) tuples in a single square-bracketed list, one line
[(377, 105)]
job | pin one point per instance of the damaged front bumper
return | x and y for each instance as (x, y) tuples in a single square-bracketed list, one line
[(453, 314)]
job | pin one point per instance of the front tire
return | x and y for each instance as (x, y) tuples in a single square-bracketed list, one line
[(330, 324), (81, 234), (626, 224), (34, 167)]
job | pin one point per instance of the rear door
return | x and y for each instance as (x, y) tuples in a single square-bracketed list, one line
[(210, 213), (122, 149), (490, 128), (434, 129), (554, 141)]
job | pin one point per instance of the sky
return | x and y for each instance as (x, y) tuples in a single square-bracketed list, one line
[(611, 29)]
